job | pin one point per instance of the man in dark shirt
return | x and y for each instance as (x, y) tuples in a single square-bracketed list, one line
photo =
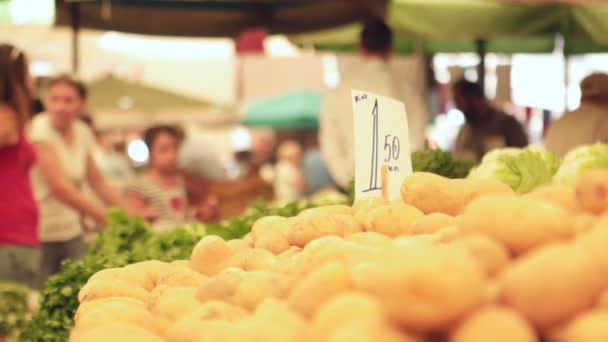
[(486, 128)]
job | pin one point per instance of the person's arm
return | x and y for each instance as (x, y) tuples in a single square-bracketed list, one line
[(61, 187), (101, 187), (9, 133)]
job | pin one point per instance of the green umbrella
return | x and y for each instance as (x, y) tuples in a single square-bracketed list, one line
[(297, 110)]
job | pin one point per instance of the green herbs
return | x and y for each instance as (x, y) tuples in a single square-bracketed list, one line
[(440, 162), (14, 308)]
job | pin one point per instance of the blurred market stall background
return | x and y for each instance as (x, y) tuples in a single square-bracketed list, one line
[(261, 67)]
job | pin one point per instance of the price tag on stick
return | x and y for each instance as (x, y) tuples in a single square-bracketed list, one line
[(382, 145)]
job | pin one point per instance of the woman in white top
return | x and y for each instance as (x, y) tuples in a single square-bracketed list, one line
[(65, 163)]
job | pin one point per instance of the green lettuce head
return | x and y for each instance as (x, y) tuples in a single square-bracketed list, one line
[(521, 169), (581, 159)]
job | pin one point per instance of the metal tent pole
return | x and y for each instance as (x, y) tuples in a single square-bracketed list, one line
[(75, 21)]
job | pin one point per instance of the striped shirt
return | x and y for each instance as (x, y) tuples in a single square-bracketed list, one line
[(171, 204)]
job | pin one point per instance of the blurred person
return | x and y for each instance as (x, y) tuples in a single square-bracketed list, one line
[(316, 175), (586, 125), (65, 148), (111, 160), (162, 187), (375, 75), (289, 179), (486, 128), (19, 244)]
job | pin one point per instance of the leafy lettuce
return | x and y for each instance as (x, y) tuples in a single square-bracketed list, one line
[(521, 169), (581, 159)]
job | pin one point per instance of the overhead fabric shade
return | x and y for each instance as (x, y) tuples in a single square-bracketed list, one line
[(217, 18), (481, 19), (297, 110), (113, 93), (507, 27)]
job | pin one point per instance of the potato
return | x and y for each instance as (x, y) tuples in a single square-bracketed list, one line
[(366, 204), (174, 302), (433, 194), (415, 241), (257, 286), (416, 289), (348, 224), (588, 327), (363, 206), (447, 234), (496, 324), (342, 309), (118, 302), (248, 239), (319, 286), (595, 241), (372, 239), (327, 211), (431, 223), (118, 311), (181, 263), (559, 194), (112, 288), (205, 331), (115, 332), (308, 228), (238, 246), (212, 255), (292, 251), (492, 255), (317, 253), (273, 321), (583, 222), (603, 301), (592, 191), (393, 220), (150, 271), (270, 233), (181, 276), (537, 222), (477, 188), (221, 286), (553, 284), (215, 311), (368, 331), (257, 259)]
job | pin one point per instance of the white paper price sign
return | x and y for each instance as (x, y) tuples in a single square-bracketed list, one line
[(382, 145)]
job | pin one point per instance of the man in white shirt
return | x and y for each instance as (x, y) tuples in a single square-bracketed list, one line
[(336, 117), (586, 125)]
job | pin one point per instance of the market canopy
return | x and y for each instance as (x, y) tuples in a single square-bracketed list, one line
[(437, 25), (455, 25), (296, 110), (113, 93), (225, 18)]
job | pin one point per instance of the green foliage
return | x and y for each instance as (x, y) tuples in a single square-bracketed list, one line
[(440, 162), (14, 308)]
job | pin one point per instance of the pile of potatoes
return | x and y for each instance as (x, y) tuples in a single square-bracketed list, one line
[(452, 260)]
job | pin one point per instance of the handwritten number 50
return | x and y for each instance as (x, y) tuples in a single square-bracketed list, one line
[(392, 148)]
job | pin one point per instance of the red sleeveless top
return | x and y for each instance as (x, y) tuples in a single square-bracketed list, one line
[(18, 209)]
